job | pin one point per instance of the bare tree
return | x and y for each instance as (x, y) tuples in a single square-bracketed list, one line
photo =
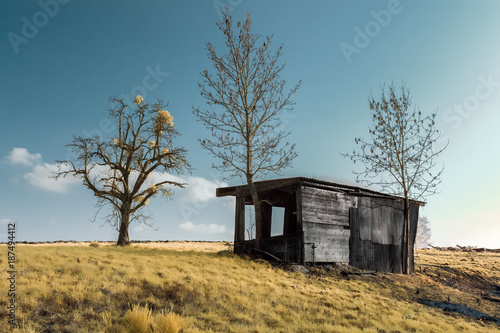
[(246, 96), (250, 231), (423, 237), (399, 156), (123, 172)]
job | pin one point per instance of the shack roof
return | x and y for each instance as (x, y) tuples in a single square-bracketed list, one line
[(266, 185)]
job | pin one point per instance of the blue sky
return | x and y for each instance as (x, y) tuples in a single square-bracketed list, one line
[(62, 60)]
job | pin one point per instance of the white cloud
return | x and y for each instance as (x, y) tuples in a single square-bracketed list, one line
[(24, 157), (40, 178), (203, 228), (200, 189), (138, 228), (197, 190)]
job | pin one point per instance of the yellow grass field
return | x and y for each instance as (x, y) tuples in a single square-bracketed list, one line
[(190, 287)]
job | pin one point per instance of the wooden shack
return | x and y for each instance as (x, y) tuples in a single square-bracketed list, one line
[(325, 222)]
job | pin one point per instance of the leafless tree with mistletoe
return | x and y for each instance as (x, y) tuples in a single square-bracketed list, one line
[(246, 96), (124, 171), (400, 155)]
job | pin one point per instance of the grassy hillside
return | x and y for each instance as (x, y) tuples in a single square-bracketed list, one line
[(92, 289)]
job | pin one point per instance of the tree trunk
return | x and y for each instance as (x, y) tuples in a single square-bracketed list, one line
[(123, 239), (258, 216), (407, 235)]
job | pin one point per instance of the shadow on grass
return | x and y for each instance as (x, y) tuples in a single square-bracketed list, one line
[(459, 308)]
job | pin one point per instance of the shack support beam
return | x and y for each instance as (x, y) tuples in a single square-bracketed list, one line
[(239, 232)]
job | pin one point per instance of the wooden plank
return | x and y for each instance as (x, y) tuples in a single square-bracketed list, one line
[(354, 236), (331, 209), (382, 257), (298, 198), (388, 258), (290, 223), (261, 186), (381, 220), (368, 247), (323, 209), (378, 223), (326, 219), (309, 252), (327, 199), (396, 230), (365, 218), (298, 212), (396, 259), (239, 229), (266, 211), (388, 221), (331, 242), (364, 259), (323, 206), (321, 194), (359, 273)]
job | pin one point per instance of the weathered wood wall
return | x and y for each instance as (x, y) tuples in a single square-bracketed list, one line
[(288, 247), (325, 225), (325, 221), (414, 207), (377, 234)]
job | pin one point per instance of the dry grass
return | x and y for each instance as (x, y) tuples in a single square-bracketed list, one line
[(138, 319), (97, 289), (172, 245), (187, 246), (169, 323)]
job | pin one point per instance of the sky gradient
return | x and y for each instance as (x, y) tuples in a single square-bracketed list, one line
[(62, 60)]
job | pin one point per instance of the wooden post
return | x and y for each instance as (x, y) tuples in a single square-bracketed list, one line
[(298, 215), (239, 226), (266, 218)]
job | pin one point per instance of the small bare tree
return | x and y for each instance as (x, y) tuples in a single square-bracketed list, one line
[(246, 96), (423, 237), (119, 170), (250, 231), (399, 156)]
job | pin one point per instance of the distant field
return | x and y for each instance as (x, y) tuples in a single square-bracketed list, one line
[(82, 288)]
